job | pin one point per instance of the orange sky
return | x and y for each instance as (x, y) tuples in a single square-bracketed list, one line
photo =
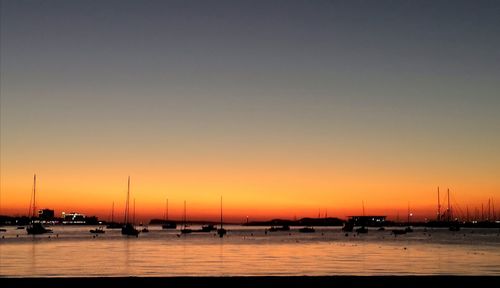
[(277, 189), (283, 112)]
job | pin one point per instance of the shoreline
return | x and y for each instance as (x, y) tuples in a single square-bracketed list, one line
[(255, 281)]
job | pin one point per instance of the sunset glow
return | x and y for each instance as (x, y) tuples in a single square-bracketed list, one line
[(286, 114)]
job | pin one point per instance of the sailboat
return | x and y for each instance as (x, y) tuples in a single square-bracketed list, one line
[(113, 224), (129, 229), (221, 231), (184, 229), (362, 229), (35, 227), (408, 228), (453, 224), (166, 223)]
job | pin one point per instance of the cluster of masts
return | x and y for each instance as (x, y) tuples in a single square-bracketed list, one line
[(128, 228), (450, 215)]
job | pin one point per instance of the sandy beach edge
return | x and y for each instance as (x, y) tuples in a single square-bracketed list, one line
[(253, 281)]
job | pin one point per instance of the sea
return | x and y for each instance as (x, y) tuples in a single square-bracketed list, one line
[(72, 251)]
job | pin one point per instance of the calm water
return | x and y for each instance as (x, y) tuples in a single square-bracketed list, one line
[(249, 251)]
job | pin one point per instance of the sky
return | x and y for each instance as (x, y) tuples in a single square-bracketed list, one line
[(283, 108)]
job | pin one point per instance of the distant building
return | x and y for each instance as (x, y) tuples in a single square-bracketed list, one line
[(367, 220), (73, 218), (46, 214)]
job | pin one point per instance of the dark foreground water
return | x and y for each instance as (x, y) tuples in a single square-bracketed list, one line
[(247, 251)]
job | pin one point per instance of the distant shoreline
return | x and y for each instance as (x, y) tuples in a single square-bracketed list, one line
[(317, 222), (256, 281)]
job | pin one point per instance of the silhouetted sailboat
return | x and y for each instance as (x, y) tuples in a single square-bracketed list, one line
[(184, 229), (113, 224), (129, 229), (454, 225), (166, 223), (362, 229), (221, 231), (35, 227)]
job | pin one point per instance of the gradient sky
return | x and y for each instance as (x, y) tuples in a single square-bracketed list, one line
[(282, 107)]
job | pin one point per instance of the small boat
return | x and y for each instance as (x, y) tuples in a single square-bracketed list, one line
[(37, 228), (186, 230), (221, 232), (98, 230), (129, 230), (398, 231), (362, 229), (282, 228), (169, 225), (145, 230), (307, 230), (348, 227), (208, 228)]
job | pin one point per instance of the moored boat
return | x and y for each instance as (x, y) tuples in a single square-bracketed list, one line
[(98, 230), (129, 229), (35, 227), (307, 230), (277, 228)]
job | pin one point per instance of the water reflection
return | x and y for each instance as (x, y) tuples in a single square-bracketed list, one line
[(221, 255), (249, 252), (33, 257), (126, 256)]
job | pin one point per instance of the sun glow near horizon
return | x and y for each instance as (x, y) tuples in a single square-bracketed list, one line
[(261, 196), (283, 112)]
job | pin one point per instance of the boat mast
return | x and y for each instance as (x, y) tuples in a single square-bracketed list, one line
[(489, 209), (34, 196), (439, 207), (133, 218), (112, 211), (220, 212), (408, 213), (127, 203), (449, 207), (167, 211), (482, 211), (184, 213), (493, 208)]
